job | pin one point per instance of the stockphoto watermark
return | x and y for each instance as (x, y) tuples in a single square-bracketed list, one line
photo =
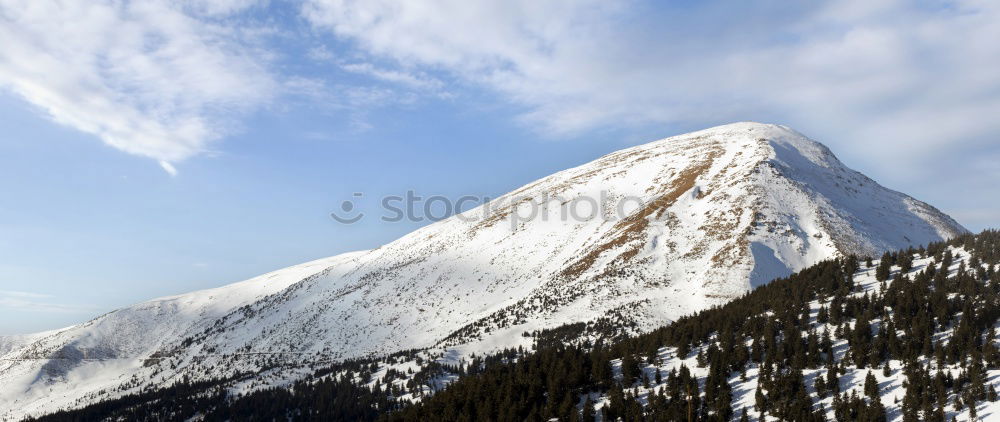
[(514, 209)]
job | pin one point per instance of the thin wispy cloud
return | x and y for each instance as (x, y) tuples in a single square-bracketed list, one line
[(29, 301), (413, 80), (879, 70), (159, 79)]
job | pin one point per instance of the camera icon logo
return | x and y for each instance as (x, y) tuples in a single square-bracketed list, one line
[(346, 208)]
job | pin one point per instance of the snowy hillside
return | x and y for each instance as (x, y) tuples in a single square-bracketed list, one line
[(910, 337), (52, 370), (718, 212), (889, 376)]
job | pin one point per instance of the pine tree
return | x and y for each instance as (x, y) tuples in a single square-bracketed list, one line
[(884, 268), (871, 386), (905, 262), (971, 402), (820, 386), (587, 415), (832, 380)]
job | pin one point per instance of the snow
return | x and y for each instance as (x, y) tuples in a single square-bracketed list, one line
[(767, 265), (730, 207)]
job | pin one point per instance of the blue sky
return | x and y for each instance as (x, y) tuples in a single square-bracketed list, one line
[(155, 147)]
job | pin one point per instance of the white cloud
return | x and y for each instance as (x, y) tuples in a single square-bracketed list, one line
[(158, 79), (28, 301), (521, 48), (166, 78), (320, 54), (871, 72), (169, 168), (218, 7), (413, 80), (23, 295)]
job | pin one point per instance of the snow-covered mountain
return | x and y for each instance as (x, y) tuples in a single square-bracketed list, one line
[(682, 224)]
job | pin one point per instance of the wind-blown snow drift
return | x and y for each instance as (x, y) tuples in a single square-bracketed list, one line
[(723, 210)]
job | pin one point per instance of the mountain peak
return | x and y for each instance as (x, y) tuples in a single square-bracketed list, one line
[(755, 135)]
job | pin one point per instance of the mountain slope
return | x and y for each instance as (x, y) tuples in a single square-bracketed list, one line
[(704, 217), (911, 337), (56, 368)]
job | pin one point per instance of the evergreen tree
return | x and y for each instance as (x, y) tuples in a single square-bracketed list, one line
[(884, 267), (587, 414), (871, 386)]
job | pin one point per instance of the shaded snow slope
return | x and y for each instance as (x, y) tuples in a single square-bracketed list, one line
[(56, 368), (706, 216)]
